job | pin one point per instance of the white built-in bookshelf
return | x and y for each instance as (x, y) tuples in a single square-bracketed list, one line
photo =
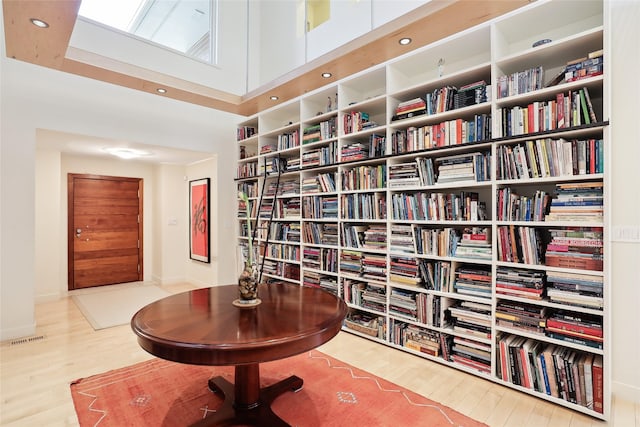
[(456, 198)]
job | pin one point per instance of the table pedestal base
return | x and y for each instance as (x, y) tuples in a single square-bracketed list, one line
[(247, 409)]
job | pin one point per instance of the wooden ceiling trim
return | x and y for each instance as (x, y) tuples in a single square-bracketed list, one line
[(42, 46)]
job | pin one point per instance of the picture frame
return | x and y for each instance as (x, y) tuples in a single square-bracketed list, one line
[(199, 220)]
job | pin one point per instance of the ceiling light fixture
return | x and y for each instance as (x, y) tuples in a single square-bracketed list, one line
[(404, 41), (161, 90), (39, 23), (273, 98), (326, 75), (127, 153)]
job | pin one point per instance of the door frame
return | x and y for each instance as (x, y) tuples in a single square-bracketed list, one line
[(71, 230)]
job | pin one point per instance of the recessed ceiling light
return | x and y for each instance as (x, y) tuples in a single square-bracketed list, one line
[(161, 90), (404, 41), (326, 75), (39, 23), (273, 98), (127, 153)]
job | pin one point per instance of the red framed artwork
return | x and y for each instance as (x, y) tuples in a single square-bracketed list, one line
[(199, 220)]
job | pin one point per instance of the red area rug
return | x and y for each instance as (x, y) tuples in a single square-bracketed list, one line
[(161, 393)]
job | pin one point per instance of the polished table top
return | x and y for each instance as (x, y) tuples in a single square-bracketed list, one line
[(204, 327)]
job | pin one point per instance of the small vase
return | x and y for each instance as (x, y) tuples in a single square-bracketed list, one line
[(248, 287)]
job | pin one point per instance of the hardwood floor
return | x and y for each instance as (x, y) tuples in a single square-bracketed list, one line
[(35, 375)]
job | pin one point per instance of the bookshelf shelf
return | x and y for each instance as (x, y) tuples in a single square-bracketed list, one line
[(453, 288)]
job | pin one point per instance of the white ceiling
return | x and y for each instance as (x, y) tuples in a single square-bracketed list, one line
[(93, 146)]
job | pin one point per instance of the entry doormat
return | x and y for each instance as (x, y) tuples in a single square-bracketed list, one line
[(162, 393)]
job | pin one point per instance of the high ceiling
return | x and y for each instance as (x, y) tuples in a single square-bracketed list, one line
[(426, 24)]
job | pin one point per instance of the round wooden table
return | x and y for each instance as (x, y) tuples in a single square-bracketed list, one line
[(203, 327)]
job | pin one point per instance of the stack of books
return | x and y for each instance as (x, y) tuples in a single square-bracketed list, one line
[(471, 318), (401, 239), (354, 151), (576, 247), (473, 280), (464, 167), (582, 68), (374, 267), (410, 108), (375, 237), (522, 316), (471, 353), (402, 303), (404, 271), (475, 242), (520, 283), (577, 289), (576, 328), (577, 201)]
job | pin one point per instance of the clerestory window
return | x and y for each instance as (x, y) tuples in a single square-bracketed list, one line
[(187, 26)]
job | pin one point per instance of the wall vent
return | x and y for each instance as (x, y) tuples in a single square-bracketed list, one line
[(26, 340)]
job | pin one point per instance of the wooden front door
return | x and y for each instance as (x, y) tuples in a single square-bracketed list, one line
[(104, 231)]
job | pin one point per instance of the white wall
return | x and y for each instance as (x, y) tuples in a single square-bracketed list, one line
[(50, 227), (278, 42), (171, 225), (625, 195)]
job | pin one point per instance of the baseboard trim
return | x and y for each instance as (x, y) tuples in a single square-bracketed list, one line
[(625, 391)]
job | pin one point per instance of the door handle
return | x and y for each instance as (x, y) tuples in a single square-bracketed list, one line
[(78, 232)]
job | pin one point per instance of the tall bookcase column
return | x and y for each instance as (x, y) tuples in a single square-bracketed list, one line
[(319, 112), (551, 288), (456, 198), (363, 209)]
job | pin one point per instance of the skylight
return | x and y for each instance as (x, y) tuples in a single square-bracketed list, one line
[(182, 25)]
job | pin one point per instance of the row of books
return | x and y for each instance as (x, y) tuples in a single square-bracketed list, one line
[(444, 134), (319, 280), (364, 178), (572, 327), (413, 337), (520, 82), (288, 140), (356, 121), (550, 157), (319, 132), (280, 231), (283, 251), (363, 206), (320, 207), (570, 109), (567, 288), (322, 156), (322, 259), (369, 295), (244, 132), (324, 182), (289, 187), (417, 173), (320, 233), (557, 371), (423, 206), (281, 269), (515, 207)]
